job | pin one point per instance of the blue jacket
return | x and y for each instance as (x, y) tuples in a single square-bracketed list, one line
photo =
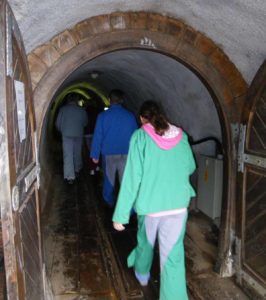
[(113, 131), (71, 120)]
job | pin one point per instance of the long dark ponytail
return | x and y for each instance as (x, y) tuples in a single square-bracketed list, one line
[(153, 113)]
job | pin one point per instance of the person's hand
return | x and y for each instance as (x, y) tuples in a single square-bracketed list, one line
[(118, 226), (95, 160)]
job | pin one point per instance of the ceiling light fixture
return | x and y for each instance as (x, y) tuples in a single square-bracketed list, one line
[(95, 74)]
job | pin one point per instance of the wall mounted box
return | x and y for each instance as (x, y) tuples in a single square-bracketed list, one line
[(210, 185)]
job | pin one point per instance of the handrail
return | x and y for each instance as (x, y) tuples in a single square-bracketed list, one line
[(219, 147)]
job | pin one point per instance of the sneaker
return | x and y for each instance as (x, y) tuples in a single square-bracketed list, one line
[(142, 279), (70, 181)]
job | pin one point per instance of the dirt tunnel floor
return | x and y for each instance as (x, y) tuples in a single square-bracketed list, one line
[(86, 258)]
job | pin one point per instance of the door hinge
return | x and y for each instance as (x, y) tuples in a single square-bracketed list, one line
[(254, 160), (31, 177), (244, 157)]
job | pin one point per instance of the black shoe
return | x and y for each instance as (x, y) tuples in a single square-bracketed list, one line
[(70, 181)]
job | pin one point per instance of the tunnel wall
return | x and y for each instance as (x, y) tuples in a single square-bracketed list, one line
[(50, 64), (46, 164)]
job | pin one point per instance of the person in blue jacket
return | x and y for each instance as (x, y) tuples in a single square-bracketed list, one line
[(113, 131), (71, 121)]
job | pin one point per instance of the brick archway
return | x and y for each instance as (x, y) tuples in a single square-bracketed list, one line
[(50, 64)]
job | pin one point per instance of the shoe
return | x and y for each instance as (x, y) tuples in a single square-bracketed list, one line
[(70, 181), (143, 283), (142, 279)]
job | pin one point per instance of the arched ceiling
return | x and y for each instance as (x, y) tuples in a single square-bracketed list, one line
[(145, 75), (237, 26)]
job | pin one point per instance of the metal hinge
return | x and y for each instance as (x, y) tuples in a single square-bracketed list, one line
[(31, 177), (34, 174), (254, 160), (244, 157)]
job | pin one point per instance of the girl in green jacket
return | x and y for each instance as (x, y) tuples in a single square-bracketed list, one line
[(156, 184)]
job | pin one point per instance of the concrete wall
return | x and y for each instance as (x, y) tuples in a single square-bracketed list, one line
[(237, 26)]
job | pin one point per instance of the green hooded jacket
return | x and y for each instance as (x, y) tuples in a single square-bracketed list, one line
[(155, 179)]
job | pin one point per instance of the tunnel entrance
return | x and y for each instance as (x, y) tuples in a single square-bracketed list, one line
[(142, 75), (52, 63)]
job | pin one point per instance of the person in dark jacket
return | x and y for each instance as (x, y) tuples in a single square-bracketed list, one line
[(113, 131), (71, 121)]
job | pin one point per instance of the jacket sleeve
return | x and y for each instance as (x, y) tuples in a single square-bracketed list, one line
[(131, 179), (97, 138)]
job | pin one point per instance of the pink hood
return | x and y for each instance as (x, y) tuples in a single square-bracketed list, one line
[(167, 141)]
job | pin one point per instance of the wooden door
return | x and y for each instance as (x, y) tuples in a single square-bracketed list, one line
[(251, 209), (18, 167)]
